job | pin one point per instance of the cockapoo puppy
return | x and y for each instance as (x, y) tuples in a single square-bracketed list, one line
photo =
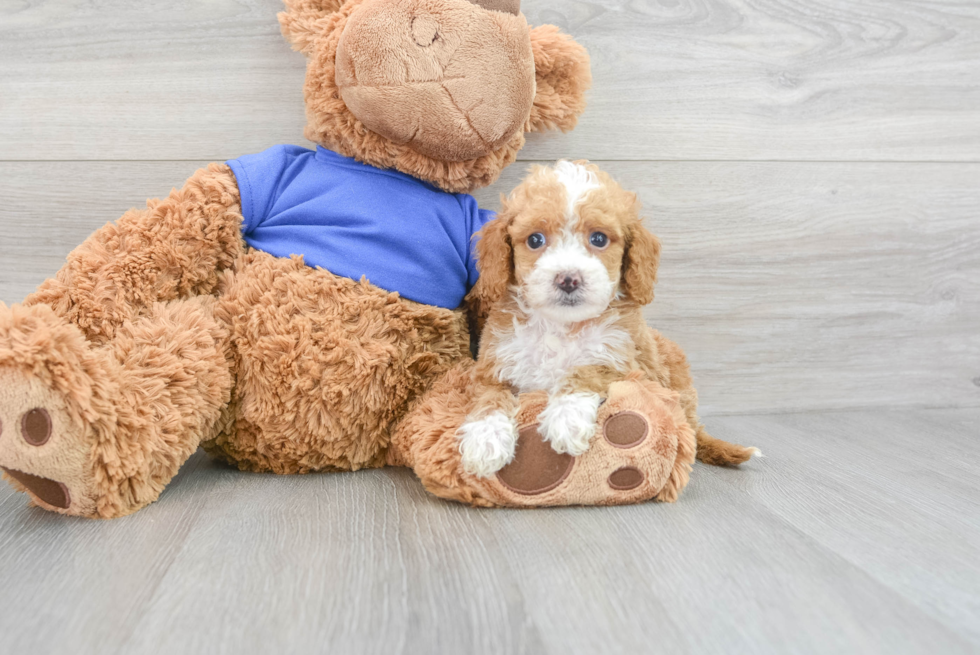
[(564, 273)]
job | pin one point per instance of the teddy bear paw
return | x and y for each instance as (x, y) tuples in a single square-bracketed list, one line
[(638, 447), (43, 449)]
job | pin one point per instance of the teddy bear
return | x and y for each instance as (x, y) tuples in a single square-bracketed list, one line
[(301, 311)]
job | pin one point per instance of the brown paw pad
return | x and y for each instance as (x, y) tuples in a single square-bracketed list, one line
[(625, 429), (626, 478), (35, 426), (51, 492), (536, 468)]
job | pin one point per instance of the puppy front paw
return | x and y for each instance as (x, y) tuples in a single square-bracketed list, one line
[(487, 444), (569, 422)]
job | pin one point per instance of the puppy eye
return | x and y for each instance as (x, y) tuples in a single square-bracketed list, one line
[(599, 240), (535, 241)]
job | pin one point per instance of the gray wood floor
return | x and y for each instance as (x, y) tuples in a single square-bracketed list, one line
[(858, 534), (813, 168)]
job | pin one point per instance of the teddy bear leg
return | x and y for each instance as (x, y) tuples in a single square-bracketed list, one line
[(98, 431), (643, 449), (96, 378), (175, 248)]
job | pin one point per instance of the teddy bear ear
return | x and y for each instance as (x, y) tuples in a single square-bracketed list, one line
[(563, 75), (298, 22)]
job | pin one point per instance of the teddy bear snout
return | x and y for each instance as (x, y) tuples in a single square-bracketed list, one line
[(425, 30), (455, 83)]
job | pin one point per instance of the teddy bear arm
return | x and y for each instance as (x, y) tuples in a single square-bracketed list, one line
[(174, 248)]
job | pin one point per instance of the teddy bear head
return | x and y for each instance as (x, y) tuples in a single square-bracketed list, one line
[(443, 90)]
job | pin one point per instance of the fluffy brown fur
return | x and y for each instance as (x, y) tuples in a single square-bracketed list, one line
[(125, 417), (325, 365), (175, 248)]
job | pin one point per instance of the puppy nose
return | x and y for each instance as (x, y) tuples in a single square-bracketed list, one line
[(568, 282)]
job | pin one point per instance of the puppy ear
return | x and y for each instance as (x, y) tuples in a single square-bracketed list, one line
[(640, 262), (298, 22), (563, 75), (495, 261)]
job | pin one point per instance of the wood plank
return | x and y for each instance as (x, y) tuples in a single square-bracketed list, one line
[(718, 80), (807, 551), (790, 286), (890, 492), (367, 563), (77, 585), (354, 563), (718, 569)]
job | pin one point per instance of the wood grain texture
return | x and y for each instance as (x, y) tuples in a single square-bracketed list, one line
[(845, 272), (675, 79), (811, 550), (790, 286)]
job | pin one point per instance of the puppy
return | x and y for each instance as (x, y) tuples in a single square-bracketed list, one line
[(565, 270)]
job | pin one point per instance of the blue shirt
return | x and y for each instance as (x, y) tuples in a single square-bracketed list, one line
[(356, 220)]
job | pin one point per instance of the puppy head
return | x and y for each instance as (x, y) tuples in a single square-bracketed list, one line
[(571, 240)]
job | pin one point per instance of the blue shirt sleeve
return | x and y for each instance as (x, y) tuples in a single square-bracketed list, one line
[(259, 178), (481, 218)]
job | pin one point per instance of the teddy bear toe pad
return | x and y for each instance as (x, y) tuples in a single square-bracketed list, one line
[(42, 450), (626, 478), (536, 467), (625, 429), (50, 492)]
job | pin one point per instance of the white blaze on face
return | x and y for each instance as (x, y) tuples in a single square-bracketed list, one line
[(568, 253), (578, 182)]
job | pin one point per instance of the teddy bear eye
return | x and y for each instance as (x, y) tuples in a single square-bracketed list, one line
[(536, 241), (599, 240)]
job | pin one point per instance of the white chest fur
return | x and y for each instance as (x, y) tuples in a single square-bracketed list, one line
[(540, 354)]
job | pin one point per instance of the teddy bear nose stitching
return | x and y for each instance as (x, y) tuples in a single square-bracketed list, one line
[(425, 31), (507, 6)]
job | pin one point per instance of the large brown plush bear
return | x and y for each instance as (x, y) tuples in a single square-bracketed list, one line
[(169, 330)]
